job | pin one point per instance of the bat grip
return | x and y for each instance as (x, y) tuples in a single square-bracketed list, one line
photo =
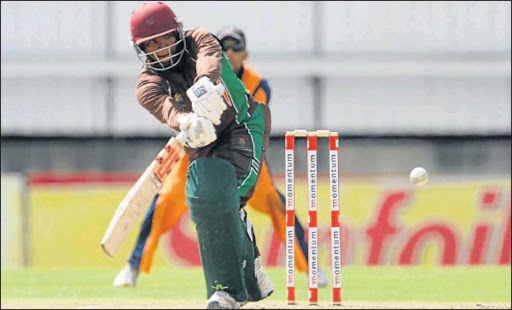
[(182, 137)]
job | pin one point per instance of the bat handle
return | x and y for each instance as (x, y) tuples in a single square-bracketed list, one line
[(182, 137)]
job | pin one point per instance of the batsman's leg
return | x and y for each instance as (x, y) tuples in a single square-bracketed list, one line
[(227, 252)]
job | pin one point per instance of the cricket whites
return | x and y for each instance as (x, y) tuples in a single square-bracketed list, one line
[(142, 193)]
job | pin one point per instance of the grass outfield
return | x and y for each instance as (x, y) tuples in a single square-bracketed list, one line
[(184, 287)]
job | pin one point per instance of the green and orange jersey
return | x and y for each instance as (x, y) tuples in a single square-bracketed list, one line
[(255, 83)]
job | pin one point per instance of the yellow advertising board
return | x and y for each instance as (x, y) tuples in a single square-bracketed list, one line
[(458, 222)]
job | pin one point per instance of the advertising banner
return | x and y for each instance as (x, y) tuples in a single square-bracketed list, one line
[(441, 223)]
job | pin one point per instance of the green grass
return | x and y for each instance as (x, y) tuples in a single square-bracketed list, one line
[(360, 283)]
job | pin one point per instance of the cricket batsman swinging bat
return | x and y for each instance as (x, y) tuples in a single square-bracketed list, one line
[(142, 193)]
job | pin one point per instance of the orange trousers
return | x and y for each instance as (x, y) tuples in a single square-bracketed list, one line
[(171, 206)]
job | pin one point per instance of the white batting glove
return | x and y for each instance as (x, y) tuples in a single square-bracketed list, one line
[(206, 99), (200, 130)]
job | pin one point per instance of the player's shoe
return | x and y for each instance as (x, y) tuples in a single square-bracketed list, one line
[(222, 300), (322, 278), (266, 286), (126, 277)]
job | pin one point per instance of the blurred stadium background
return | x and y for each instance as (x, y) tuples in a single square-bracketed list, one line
[(405, 84)]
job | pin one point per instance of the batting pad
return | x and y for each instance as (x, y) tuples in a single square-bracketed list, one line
[(227, 253)]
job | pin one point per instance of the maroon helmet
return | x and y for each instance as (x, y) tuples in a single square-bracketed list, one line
[(151, 20)]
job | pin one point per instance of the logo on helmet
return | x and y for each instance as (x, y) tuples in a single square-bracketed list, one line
[(150, 21)]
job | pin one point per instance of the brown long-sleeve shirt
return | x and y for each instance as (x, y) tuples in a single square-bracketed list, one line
[(163, 93)]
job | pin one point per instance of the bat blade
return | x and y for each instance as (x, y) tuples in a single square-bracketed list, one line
[(140, 196), (129, 211)]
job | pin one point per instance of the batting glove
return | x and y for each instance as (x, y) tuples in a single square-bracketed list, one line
[(206, 99), (200, 130)]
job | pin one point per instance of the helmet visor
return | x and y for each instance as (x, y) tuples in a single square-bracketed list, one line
[(163, 58)]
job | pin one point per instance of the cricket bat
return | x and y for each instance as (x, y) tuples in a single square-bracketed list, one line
[(142, 193)]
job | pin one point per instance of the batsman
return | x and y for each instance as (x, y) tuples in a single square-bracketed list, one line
[(187, 83), (169, 205)]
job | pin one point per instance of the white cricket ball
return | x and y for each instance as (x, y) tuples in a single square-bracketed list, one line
[(419, 176)]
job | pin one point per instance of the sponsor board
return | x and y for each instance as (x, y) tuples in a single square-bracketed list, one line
[(442, 223)]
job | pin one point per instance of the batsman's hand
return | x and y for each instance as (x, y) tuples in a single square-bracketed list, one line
[(206, 99), (200, 130)]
